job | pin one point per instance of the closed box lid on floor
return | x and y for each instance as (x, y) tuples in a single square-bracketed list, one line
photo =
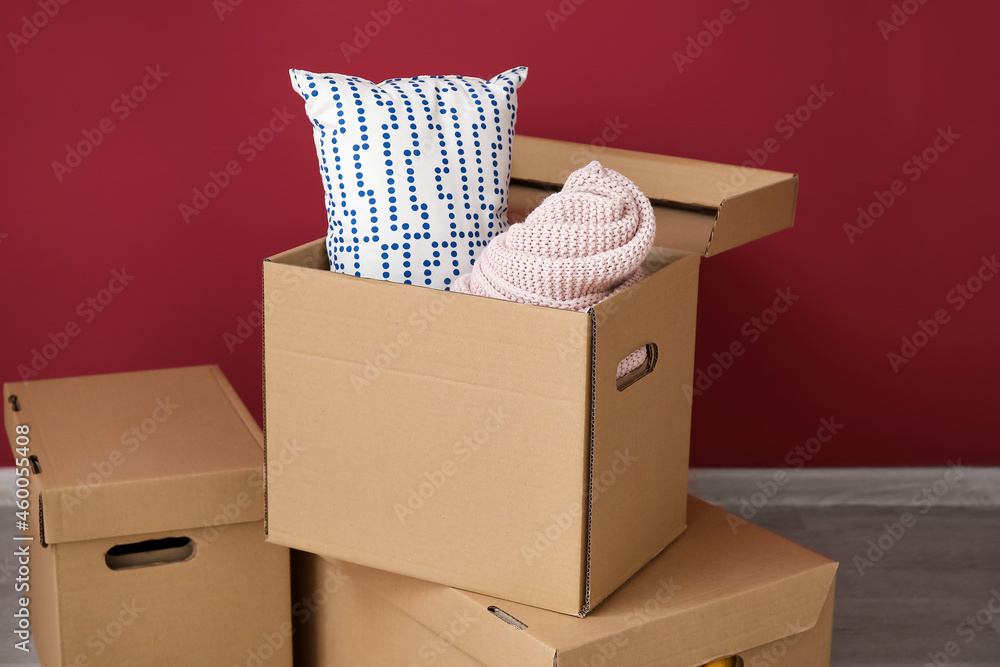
[(131, 453)]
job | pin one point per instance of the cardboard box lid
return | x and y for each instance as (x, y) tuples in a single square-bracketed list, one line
[(131, 453), (722, 588), (701, 207)]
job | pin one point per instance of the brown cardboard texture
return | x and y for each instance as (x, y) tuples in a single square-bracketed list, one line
[(724, 588), (485, 444), (146, 521)]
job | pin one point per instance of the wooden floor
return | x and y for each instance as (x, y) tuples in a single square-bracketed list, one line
[(892, 610), (915, 599)]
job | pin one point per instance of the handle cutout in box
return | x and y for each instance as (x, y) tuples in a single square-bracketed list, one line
[(506, 618), (149, 552), (636, 374), (732, 661), (15, 406), (36, 467)]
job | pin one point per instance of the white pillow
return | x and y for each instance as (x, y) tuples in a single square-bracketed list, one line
[(415, 170)]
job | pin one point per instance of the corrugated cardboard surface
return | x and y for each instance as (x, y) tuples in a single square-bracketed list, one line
[(751, 215), (724, 588), (127, 453), (196, 474), (226, 602), (641, 432), (460, 391)]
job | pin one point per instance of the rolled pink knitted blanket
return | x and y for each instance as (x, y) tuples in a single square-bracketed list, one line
[(578, 247)]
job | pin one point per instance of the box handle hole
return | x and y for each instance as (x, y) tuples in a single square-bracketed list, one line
[(732, 661), (149, 552), (506, 618), (36, 467), (14, 403), (640, 371)]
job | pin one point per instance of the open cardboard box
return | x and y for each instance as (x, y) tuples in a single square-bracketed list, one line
[(485, 444), (146, 540), (724, 588)]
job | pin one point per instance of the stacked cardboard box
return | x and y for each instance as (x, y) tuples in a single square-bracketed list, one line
[(145, 510), (724, 588), (458, 441), (467, 480)]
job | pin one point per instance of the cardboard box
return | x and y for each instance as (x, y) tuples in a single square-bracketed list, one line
[(146, 542), (485, 444), (724, 588)]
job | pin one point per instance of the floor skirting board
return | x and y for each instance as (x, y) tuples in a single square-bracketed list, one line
[(950, 486)]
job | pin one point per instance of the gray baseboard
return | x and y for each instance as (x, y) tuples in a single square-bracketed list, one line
[(956, 486)]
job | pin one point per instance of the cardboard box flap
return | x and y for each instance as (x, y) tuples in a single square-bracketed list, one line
[(701, 207), (455, 617), (723, 588), (700, 590), (131, 453)]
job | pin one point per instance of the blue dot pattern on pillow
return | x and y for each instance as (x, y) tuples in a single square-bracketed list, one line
[(415, 170)]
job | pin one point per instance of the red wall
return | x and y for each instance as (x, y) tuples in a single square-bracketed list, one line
[(118, 209)]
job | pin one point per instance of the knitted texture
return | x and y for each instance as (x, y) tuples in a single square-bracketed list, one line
[(578, 247)]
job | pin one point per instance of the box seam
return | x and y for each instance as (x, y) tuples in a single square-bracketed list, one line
[(590, 469), (263, 389)]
